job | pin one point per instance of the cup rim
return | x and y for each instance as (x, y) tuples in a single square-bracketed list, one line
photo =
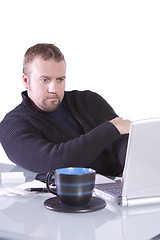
[(75, 171)]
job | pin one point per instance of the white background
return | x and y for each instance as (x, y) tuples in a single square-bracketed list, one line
[(111, 47)]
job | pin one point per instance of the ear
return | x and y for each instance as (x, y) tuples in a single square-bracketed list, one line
[(25, 81)]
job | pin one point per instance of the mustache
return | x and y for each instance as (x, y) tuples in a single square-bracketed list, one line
[(54, 95)]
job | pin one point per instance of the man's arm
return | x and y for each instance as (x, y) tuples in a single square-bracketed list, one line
[(28, 149)]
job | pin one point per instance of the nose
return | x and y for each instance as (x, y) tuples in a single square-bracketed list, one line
[(52, 87)]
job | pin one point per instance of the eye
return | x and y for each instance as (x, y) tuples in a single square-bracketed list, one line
[(44, 80), (60, 79)]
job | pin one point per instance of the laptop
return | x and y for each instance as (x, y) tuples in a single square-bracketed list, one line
[(141, 176)]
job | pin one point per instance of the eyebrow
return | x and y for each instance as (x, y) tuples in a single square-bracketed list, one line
[(62, 77), (49, 77), (43, 76)]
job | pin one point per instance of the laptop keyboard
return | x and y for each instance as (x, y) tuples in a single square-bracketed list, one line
[(116, 192), (113, 189)]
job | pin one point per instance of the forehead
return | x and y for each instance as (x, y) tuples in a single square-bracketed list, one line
[(50, 67)]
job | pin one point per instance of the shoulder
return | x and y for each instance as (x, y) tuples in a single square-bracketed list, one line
[(86, 100), (23, 110), (87, 94), (85, 97), (14, 112), (21, 113)]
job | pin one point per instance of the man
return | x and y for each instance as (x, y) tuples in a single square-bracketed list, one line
[(54, 128)]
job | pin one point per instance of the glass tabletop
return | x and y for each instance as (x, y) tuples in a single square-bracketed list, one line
[(26, 217)]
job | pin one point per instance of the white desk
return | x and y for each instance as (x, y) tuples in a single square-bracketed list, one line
[(27, 218)]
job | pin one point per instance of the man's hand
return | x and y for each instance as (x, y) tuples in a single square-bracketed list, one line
[(122, 125)]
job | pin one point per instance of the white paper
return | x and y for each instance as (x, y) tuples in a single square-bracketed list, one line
[(12, 177), (20, 190)]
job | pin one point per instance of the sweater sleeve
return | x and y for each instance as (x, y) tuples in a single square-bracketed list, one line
[(27, 148)]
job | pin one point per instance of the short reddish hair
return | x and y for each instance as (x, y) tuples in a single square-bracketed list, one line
[(43, 50)]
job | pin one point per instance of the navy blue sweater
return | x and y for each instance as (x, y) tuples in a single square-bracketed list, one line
[(40, 143)]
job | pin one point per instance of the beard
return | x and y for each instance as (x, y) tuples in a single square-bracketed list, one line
[(47, 105), (50, 105)]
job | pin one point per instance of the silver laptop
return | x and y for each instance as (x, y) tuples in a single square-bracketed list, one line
[(141, 177)]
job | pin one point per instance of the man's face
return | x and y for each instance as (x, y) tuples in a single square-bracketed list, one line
[(45, 83)]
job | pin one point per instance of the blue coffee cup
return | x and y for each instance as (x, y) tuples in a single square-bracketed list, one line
[(74, 185)]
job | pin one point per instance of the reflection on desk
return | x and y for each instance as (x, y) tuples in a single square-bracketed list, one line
[(27, 218)]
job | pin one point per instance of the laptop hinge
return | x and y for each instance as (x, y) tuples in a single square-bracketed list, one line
[(140, 201), (124, 201)]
